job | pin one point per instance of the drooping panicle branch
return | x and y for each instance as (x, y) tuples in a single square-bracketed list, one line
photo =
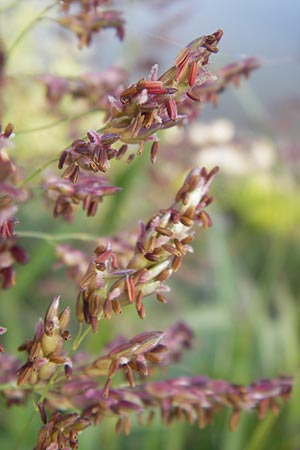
[(160, 247), (195, 399), (88, 190), (93, 87), (131, 356), (143, 109)]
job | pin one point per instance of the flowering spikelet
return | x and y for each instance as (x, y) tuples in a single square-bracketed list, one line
[(88, 190), (131, 356), (197, 399), (91, 21), (61, 431), (232, 73), (93, 155), (146, 107), (45, 350), (160, 247)]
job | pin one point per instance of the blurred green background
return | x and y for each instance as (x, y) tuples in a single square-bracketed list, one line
[(239, 291)]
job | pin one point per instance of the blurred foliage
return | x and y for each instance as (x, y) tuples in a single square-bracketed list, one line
[(239, 291)]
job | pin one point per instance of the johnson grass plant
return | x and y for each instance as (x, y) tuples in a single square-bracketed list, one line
[(87, 365)]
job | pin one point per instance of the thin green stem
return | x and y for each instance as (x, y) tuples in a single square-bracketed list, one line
[(38, 171), (24, 430), (28, 27), (81, 338), (47, 387), (57, 237), (77, 337), (5, 386), (56, 122)]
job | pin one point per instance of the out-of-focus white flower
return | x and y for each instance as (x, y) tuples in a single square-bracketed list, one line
[(217, 147), (230, 159), (263, 154), (219, 131)]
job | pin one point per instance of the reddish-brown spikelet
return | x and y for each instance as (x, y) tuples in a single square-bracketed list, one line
[(193, 73), (172, 108), (205, 219), (176, 263), (117, 307), (139, 300), (234, 419), (161, 298), (155, 87), (107, 308), (202, 422), (130, 158), (274, 407), (154, 151), (164, 275), (130, 289), (42, 411), (263, 408), (193, 96), (119, 425), (141, 148), (121, 152)]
